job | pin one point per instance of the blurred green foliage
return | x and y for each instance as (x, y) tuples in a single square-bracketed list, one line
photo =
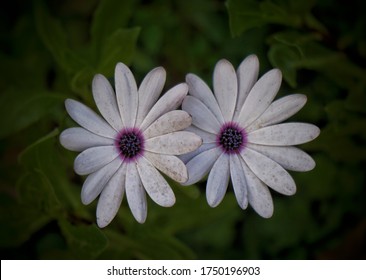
[(50, 51)]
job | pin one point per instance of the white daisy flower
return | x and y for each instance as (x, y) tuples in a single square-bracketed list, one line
[(242, 137), (137, 135)]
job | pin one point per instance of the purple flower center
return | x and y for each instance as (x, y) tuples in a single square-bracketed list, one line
[(130, 143), (232, 138)]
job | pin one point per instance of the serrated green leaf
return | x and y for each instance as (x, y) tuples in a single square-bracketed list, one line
[(85, 241)]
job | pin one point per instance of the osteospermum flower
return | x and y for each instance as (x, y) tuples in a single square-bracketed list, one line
[(138, 134), (242, 137)]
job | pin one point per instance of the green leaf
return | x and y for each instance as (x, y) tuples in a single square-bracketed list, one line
[(247, 14), (54, 37), (19, 109), (108, 17), (85, 241), (119, 46)]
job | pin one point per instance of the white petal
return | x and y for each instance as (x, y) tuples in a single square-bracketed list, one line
[(238, 180), (175, 143), (169, 165), (105, 99), (169, 122), (247, 76), (204, 147), (288, 157), (94, 158), (171, 100), (126, 91), (206, 136), (96, 181), (225, 85), (270, 172), (79, 139), (202, 117), (135, 193), (149, 92), (218, 180), (88, 119), (260, 97), (199, 89), (111, 197), (199, 166), (155, 184), (258, 194), (284, 134), (279, 111)]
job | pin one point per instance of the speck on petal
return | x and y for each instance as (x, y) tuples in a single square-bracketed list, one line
[(169, 165), (94, 158), (111, 197), (259, 195), (201, 164), (175, 143), (218, 180), (200, 90), (126, 92), (149, 91), (270, 172), (171, 100), (260, 97), (279, 111), (288, 157), (105, 99), (79, 139), (169, 122), (96, 181), (155, 184), (135, 193), (88, 119), (225, 85), (239, 181), (284, 134)]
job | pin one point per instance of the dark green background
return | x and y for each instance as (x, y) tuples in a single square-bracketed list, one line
[(50, 51)]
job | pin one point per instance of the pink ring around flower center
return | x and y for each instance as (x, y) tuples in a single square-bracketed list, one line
[(130, 143), (232, 138)]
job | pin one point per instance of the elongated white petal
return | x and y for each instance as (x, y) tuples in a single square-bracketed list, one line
[(247, 76), (135, 193), (149, 92), (169, 122), (259, 195), (95, 182), (171, 100), (204, 147), (175, 143), (202, 117), (79, 139), (88, 119), (105, 99), (126, 91), (199, 89), (260, 97), (238, 180), (94, 158), (225, 85), (155, 184), (199, 166), (288, 157), (169, 165), (279, 111), (207, 137), (284, 134), (111, 197), (218, 180), (270, 172)]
